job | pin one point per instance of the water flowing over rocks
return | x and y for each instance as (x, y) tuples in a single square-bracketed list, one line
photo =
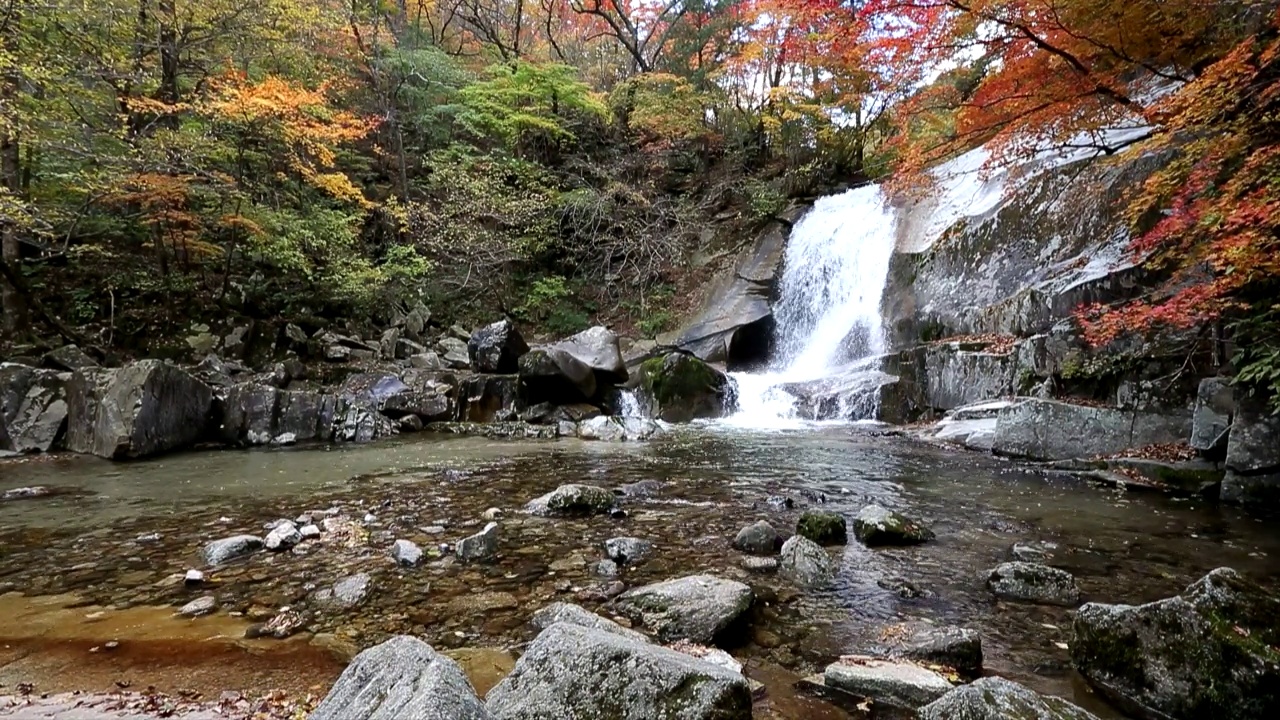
[(573, 499), (399, 679), (496, 348), (145, 408), (895, 683), (758, 538), (694, 608), (994, 698), (1034, 583), (33, 408), (876, 525), (616, 429), (805, 563), (575, 673), (1209, 652)]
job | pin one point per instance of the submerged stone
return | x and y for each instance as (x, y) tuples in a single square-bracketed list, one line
[(1033, 582), (226, 549), (573, 499), (895, 683)]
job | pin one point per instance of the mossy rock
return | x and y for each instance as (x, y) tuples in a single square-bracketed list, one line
[(1209, 652), (684, 388), (877, 526), (823, 527)]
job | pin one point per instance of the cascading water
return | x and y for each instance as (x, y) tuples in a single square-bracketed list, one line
[(828, 316)]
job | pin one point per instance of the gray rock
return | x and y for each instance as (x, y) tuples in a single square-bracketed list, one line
[(141, 409), (618, 429), (27, 493), (347, 593), (388, 343), (552, 375), (415, 321), (69, 358), (573, 500), (640, 489), (628, 550), (1207, 653), (496, 348), (605, 569), (489, 398), (759, 565), (955, 647), (283, 536), (1034, 551), (220, 551), (805, 563), (577, 615), (681, 387), (296, 336), (694, 608), (899, 684), (193, 577), (1253, 457), (33, 408), (758, 538), (401, 679), (481, 546), (994, 698), (406, 553), (597, 348), (575, 673), (309, 531), (426, 361), (1051, 430), (1034, 583), (199, 606), (876, 525), (1215, 404)]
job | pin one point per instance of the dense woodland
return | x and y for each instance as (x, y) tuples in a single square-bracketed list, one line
[(170, 162)]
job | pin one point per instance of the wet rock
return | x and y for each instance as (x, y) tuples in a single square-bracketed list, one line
[(141, 409), (551, 375), (759, 565), (682, 388), (309, 532), (994, 698), (1034, 551), (489, 398), (823, 527), (26, 493), (1209, 652), (694, 608), (877, 526), (900, 684), (602, 592), (573, 500), (577, 615), (805, 563), (1034, 583), (193, 577), (226, 549), (640, 489), (1052, 430), (597, 348), (347, 593), (283, 536), (1215, 404), (1253, 457), (199, 606), (903, 588), (779, 503), (401, 678), (605, 569), (496, 348), (616, 429), (574, 673), (481, 546), (406, 553), (950, 645), (758, 538), (628, 550), (492, 513), (33, 408), (426, 361)]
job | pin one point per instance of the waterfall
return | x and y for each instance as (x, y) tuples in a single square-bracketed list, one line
[(628, 405), (827, 318)]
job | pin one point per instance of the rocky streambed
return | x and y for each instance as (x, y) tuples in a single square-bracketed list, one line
[(110, 582)]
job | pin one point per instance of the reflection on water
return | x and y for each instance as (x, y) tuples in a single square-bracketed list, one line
[(1122, 547)]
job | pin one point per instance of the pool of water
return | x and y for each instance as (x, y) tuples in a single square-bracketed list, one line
[(116, 535)]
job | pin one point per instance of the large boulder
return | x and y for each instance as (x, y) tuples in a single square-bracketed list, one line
[(553, 375), (1207, 653), (490, 398), (1215, 404), (759, 538), (823, 527), (994, 698), (33, 408), (694, 608), (682, 388), (496, 348), (401, 679), (573, 499), (1033, 582), (575, 673), (254, 414), (597, 348), (577, 615), (141, 409), (1051, 430), (805, 563), (1253, 457)]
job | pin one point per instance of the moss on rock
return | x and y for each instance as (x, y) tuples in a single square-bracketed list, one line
[(823, 527), (683, 387)]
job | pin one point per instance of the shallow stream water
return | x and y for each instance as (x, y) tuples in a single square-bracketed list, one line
[(100, 561)]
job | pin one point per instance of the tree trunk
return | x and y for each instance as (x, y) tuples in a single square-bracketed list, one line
[(12, 302)]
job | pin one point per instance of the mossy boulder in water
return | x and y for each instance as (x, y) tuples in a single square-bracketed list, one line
[(876, 525), (1210, 652), (573, 499), (824, 528), (684, 388), (1035, 583)]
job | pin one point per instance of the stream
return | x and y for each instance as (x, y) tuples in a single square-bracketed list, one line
[(91, 575)]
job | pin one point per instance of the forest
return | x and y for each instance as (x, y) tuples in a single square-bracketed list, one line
[(173, 162)]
